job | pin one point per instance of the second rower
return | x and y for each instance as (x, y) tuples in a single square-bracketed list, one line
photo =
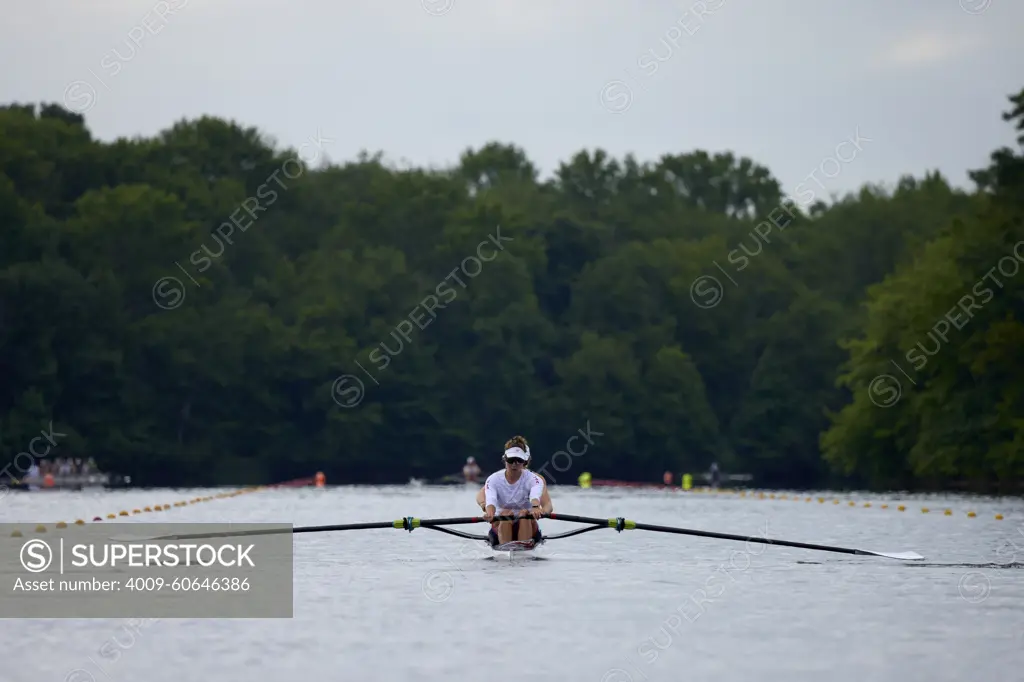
[(471, 472)]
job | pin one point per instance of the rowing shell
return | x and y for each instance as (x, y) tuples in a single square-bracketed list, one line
[(523, 547)]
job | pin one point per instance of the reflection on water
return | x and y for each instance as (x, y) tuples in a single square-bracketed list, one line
[(602, 606)]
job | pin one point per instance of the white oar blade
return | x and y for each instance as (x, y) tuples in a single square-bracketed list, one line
[(902, 556)]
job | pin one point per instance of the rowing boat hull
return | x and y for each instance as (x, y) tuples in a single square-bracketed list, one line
[(517, 549)]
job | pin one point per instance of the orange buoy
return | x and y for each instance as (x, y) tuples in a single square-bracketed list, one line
[(320, 479), (48, 481), (667, 478)]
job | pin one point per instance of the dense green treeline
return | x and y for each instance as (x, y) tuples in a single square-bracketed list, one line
[(202, 307)]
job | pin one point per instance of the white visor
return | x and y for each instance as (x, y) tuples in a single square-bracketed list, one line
[(517, 453)]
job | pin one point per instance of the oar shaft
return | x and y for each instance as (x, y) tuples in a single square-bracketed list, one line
[(344, 526), (272, 531), (709, 534), (400, 524), (463, 520), (744, 538)]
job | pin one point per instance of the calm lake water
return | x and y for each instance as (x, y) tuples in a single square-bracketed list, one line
[(603, 607)]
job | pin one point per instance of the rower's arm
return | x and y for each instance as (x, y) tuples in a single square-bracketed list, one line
[(490, 496), (537, 490), (545, 500), (480, 499)]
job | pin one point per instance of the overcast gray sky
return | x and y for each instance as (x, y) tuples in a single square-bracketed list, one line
[(421, 80)]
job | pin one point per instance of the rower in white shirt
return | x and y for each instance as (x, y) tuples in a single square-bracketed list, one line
[(515, 491), (545, 498)]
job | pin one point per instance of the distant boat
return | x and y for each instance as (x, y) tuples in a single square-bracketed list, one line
[(67, 482)]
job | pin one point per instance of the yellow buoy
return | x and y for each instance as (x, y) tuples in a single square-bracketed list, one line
[(79, 522), (948, 512), (136, 511), (111, 516), (16, 534), (885, 506), (122, 513), (835, 501), (999, 517), (40, 528), (924, 510), (61, 524), (867, 504), (821, 500), (902, 508), (971, 514), (852, 503)]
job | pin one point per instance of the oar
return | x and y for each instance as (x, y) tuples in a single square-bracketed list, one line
[(408, 523), (622, 524)]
